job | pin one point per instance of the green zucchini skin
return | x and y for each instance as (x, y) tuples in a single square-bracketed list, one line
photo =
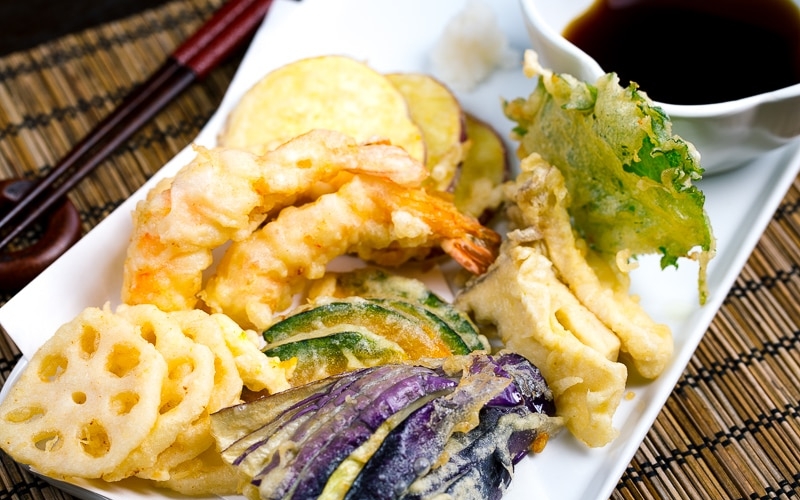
[(339, 334), (430, 320), (361, 313), (377, 283), (342, 351), (411, 335), (458, 321)]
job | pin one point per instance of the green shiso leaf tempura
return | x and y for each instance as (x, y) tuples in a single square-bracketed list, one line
[(630, 179)]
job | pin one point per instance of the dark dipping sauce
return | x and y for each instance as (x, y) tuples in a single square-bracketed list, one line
[(694, 51)]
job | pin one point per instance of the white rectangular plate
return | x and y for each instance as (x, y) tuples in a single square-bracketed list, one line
[(397, 35)]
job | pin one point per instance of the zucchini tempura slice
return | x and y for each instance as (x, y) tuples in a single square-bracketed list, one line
[(88, 398)]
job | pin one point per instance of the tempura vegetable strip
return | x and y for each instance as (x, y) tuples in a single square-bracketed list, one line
[(515, 296), (541, 195)]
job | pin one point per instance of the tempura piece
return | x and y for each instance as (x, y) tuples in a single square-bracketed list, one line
[(225, 194), (437, 112), (629, 177), (88, 398), (542, 199), (185, 391), (258, 372), (375, 218), (522, 296), (332, 92), (205, 475)]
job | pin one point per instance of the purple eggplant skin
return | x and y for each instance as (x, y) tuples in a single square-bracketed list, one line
[(415, 445), (528, 381), (317, 467), (482, 464), (477, 471), (480, 411), (408, 452), (296, 425), (242, 452), (379, 393), (233, 423)]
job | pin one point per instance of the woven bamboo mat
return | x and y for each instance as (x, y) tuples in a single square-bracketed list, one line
[(731, 427)]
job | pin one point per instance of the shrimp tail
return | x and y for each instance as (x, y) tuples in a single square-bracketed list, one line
[(475, 254)]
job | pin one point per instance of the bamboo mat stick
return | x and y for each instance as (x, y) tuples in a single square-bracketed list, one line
[(746, 370)]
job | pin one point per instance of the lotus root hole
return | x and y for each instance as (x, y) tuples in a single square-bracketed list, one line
[(24, 414), (94, 439), (122, 359), (90, 338), (48, 441), (170, 401), (219, 371), (124, 402), (79, 397), (148, 333), (51, 367), (180, 369)]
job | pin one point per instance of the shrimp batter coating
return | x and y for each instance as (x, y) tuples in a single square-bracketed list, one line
[(226, 194), (258, 277)]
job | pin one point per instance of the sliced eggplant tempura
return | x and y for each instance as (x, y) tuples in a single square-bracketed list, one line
[(445, 426)]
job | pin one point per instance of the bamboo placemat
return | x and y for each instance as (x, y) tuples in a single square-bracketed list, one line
[(730, 429)]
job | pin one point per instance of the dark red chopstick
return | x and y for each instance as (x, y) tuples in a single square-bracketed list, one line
[(231, 25)]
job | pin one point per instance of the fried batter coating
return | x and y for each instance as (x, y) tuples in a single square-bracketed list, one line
[(542, 198), (225, 194), (370, 216), (565, 308), (519, 294)]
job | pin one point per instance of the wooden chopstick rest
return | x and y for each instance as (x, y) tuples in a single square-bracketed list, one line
[(62, 228)]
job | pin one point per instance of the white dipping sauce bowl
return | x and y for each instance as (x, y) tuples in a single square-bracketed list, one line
[(727, 134)]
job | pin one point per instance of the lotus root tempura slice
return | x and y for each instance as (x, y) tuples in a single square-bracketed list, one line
[(185, 392), (89, 396), (203, 329)]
